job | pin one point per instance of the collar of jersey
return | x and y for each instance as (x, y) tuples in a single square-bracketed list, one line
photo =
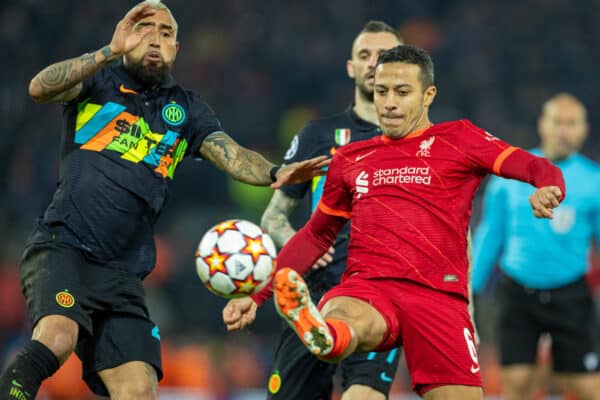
[(411, 135), (358, 121), (131, 83)]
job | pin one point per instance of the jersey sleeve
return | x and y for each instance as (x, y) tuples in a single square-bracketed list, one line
[(484, 150), (89, 85), (203, 122), (337, 197), (489, 237), (302, 147)]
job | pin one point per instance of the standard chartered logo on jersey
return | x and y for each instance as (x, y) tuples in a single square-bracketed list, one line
[(395, 176)]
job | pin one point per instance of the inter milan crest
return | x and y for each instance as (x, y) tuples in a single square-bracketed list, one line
[(342, 136), (173, 114)]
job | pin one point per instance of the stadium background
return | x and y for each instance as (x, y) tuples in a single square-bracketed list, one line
[(266, 68)]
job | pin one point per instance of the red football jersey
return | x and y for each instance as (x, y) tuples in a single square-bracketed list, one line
[(410, 201)]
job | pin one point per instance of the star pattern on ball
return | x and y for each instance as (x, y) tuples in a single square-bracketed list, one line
[(247, 285), (255, 248), (225, 226), (216, 262)]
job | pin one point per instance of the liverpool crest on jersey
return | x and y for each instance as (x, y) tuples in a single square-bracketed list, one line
[(425, 147), (342, 136)]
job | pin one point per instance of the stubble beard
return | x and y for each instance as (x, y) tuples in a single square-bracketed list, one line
[(366, 93)]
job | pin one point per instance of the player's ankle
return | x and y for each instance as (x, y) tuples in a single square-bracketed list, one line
[(342, 334), (22, 378)]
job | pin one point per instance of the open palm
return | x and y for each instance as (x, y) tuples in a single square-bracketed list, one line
[(300, 171), (126, 36)]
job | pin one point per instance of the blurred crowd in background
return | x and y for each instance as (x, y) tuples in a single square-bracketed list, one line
[(266, 68)]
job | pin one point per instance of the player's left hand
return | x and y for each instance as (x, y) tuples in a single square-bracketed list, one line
[(544, 200), (300, 171), (239, 313)]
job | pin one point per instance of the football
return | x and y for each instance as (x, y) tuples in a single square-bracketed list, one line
[(235, 258)]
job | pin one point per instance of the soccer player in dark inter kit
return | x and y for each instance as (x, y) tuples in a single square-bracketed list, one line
[(128, 124)]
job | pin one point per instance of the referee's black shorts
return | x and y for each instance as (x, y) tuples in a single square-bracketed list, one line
[(566, 313)]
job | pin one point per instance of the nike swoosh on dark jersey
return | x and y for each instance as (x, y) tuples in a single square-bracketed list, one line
[(123, 89)]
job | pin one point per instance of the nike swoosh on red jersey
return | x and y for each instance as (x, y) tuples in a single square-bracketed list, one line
[(474, 369), (361, 156)]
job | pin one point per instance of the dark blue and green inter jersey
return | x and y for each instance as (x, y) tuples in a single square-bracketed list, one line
[(121, 146), (317, 138)]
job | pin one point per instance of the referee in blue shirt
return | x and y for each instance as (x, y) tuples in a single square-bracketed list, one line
[(544, 262)]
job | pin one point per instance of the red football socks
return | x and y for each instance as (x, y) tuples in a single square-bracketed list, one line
[(342, 335)]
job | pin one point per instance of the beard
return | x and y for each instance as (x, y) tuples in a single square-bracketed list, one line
[(149, 75), (365, 92)]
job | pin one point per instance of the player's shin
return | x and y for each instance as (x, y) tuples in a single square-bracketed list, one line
[(22, 378)]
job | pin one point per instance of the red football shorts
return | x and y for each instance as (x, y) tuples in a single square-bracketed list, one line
[(433, 327)]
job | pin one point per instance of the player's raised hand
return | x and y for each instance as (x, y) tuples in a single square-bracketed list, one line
[(325, 259), (239, 313), (127, 36), (544, 200), (300, 171)]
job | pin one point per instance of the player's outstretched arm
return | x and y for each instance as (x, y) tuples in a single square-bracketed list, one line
[(62, 81), (250, 167), (305, 247), (539, 172)]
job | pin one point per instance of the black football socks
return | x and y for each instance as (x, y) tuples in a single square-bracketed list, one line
[(23, 377)]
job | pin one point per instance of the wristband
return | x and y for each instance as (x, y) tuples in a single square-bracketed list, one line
[(273, 172)]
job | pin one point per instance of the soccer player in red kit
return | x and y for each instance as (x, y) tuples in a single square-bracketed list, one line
[(408, 194)]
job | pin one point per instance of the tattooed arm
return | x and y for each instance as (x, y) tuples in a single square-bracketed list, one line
[(62, 81), (240, 163), (250, 167), (275, 219)]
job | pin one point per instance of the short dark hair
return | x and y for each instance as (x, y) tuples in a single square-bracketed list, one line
[(410, 55), (380, 26)]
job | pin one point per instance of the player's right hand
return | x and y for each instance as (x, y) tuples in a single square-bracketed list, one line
[(239, 313), (126, 36), (544, 200), (325, 259)]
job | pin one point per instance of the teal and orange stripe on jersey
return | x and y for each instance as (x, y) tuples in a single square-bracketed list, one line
[(110, 127)]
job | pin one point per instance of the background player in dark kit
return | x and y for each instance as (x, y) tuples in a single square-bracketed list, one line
[(127, 127), (297, 374)]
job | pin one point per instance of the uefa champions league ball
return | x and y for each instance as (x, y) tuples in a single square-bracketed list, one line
[(235, 258)]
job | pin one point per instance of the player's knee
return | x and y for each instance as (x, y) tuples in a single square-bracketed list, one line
[(59, 334), (135, 390), (133, 380), (362, 392)]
